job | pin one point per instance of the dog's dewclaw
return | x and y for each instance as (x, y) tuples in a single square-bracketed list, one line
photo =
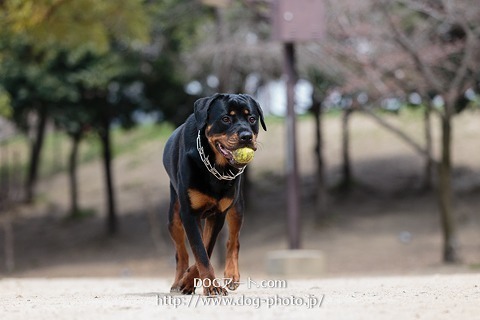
[(243, 155)]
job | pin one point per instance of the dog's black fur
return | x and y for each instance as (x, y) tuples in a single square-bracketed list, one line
[(226, 122)]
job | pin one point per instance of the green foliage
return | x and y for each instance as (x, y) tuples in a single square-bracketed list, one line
[(87, 65), (52, 53), (85, 59), (5, 108), (65, 82), (73, 24), (182, 21)]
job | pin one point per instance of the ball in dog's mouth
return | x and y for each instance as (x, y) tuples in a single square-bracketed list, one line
[(243, 155), (239, 157)]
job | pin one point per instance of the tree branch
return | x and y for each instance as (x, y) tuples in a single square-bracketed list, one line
[(253, 6), (420, 7), (399, 133), (458, 82), (405, 43)]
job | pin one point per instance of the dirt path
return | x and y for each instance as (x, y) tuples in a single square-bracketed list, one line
[(418, 297)]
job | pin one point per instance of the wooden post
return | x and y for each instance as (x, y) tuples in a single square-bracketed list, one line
[(292, 165), (294, 21)]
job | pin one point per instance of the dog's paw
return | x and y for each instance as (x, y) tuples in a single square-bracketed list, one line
[(232, 285), (187, 288), (232, 281), (175, 288), (213, 291), (186, 285)]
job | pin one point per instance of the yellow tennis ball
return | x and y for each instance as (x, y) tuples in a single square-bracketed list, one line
[(243, 155)]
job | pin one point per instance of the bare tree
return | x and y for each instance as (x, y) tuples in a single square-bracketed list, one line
[(447, 61), (390, 48), (233, 46)]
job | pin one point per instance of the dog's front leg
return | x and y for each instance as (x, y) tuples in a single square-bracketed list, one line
[(213, 225), (232, 274), (202, 260)]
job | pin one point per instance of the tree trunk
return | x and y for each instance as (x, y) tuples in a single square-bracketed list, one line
[(107, 166), (57, 152), (320, 192), (428, 177), (450, 244), (35, 152), (72, 171), (5, 178), (347, 179)]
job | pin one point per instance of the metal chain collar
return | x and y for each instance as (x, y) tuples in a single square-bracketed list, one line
[(226, 176)]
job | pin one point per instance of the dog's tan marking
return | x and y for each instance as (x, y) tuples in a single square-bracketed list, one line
[(200, 200), (220, 160), (224, 204)]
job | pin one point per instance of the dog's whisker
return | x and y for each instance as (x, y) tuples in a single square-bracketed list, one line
[(259, 145)]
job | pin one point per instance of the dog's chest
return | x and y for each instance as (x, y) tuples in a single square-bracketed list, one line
[(207, 204)]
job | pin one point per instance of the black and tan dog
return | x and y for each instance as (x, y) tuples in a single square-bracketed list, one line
[(205, 184)]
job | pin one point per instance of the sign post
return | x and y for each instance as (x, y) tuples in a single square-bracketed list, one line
[(295, 21), (293, 205)]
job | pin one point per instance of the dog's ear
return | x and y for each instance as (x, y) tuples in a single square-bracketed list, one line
[(259, 110), (200, 109)]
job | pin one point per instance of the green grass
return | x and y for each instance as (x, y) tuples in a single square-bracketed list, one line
[(81, 214), (475, 266), (126, 141), (57, 146)]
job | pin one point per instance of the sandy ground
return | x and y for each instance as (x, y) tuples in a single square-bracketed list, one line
[(421, 297)]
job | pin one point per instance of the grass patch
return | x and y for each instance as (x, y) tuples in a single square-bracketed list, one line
[(475, 266), (126, 141), (14, 152), (82, 214)]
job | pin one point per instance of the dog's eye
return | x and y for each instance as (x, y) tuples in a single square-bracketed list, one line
[(252, 120), (226, 119)]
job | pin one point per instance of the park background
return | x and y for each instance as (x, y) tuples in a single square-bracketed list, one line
[(387, 133)]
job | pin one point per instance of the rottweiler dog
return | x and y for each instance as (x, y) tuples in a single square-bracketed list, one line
[(205, 184)]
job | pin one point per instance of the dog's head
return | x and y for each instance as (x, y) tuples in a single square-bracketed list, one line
[(230, 122)]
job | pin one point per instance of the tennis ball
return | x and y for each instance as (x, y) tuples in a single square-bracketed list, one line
[(243, 155)]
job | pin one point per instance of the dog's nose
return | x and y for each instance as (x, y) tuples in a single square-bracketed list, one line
[(245, 136)]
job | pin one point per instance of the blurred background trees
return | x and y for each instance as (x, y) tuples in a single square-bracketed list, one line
[(86, 67), (82, 66), (408, 49)]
